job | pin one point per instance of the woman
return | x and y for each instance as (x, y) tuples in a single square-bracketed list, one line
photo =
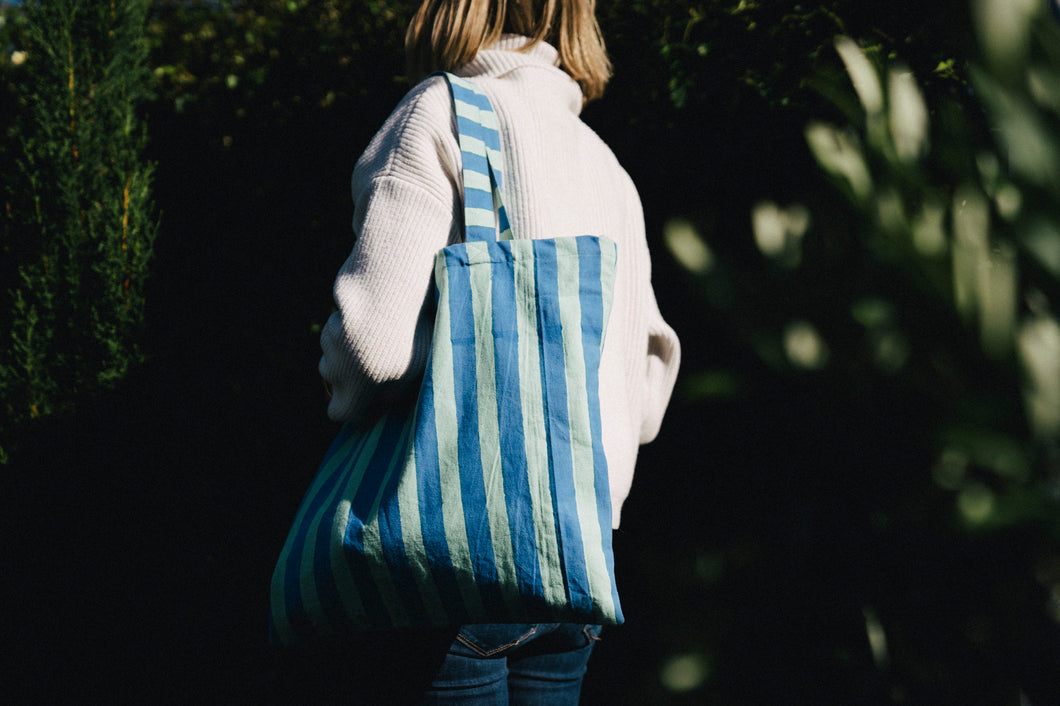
[(539, 62)]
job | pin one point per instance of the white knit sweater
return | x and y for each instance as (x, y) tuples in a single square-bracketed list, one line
[(560, 179)]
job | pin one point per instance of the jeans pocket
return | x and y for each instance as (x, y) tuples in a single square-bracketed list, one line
[(493, 639)]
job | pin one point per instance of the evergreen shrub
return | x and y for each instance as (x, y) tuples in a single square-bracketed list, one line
[(79, 221)]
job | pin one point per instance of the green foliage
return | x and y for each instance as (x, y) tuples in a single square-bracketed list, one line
[(695, 53), (241, 56), (79, 222), (977, 237), (913, 328)]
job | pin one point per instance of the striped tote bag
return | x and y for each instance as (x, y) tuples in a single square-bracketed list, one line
[(489, 502)]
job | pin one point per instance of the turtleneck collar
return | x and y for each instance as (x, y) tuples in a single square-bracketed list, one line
[(504, 56)]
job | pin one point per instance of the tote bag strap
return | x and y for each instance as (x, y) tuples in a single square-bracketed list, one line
[(480, 150)]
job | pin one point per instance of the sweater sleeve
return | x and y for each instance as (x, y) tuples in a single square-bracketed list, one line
[(663, 361), (654, 349), (376, 344)]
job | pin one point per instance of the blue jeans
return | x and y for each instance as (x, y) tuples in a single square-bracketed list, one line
[(484, 664), (532, 665)]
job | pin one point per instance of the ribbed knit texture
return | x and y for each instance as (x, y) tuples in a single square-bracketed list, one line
[(560, 179)]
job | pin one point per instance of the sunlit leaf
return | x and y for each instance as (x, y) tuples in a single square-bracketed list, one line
[(877, 638), (687, 246), (839, 152), (976, 503), (908, 115), (804, 346), (778, 232), (1044, 86), (862, 74), (1004, 27), (971, 225), (1009, 201), (1038, 344), (890, 211), (928, 230), (997, 282), (685, 672)]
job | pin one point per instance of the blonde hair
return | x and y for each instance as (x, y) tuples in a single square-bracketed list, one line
[(445, 34)]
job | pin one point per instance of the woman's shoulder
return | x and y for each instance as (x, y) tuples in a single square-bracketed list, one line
[(417, 135), (428, 100)]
